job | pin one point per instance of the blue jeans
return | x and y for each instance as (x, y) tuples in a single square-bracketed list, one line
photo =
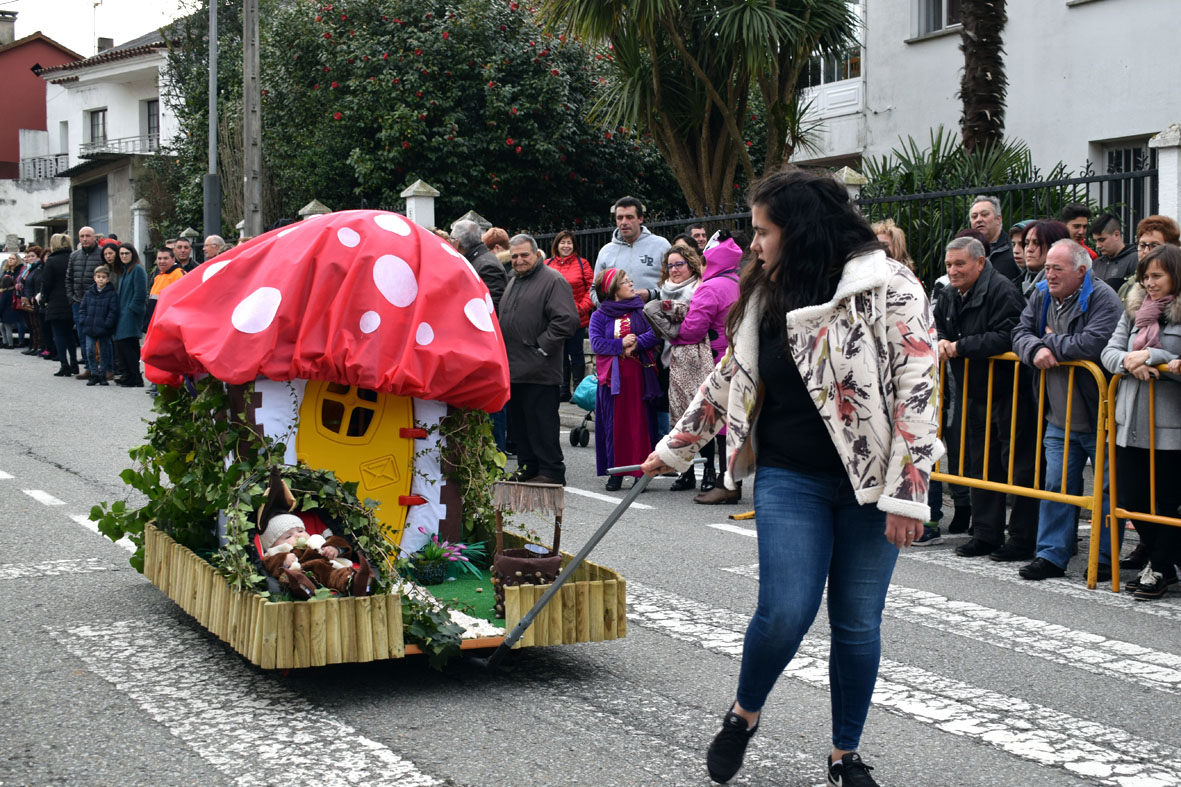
[(100, 355), (811, 528), (500, 427), (74, 307), (1055, 532)]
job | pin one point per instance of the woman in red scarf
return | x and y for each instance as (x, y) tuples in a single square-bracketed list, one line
[(1149, 335), (581, 275), (625, 360)]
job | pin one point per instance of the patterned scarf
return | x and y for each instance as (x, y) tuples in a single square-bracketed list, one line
[(1148, 322)]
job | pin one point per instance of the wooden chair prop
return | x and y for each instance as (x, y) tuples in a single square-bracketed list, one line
[(531, 564)]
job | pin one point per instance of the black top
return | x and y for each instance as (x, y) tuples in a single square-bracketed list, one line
[(789, 430)]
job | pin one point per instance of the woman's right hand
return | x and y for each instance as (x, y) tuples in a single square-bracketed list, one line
[(1134, 360), (654, 465), (629, 341)]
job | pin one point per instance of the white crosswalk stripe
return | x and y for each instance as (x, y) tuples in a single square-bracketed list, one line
[(53, 568), (200, 692), (42, 497), (1105, 754)]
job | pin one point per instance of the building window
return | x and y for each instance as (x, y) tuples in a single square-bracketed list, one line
[(936, 15), (153, 123), (1134, 198), (823, 69), (98, 126)]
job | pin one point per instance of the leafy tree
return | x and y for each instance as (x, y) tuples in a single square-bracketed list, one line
[(691, 72), (984, 85), (361, 97)]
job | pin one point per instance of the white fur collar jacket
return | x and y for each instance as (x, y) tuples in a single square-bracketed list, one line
[(868, 359)]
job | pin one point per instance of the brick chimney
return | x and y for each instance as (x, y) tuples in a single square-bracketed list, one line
[(106, 43), (7, 27)]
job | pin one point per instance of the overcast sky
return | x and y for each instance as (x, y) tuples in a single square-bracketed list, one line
[(77, 23)]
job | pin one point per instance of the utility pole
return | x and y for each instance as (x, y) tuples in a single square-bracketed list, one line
[(251, 121), (211, 183)]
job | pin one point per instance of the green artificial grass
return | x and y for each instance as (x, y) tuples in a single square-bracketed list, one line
[(464, 593)]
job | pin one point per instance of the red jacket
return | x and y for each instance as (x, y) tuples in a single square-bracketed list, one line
[(581, 275)]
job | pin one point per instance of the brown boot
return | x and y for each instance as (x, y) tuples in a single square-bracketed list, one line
[(720, 495), (362, 578), (297, 584)]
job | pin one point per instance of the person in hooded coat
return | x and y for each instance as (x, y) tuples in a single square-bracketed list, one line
[(59, 312)]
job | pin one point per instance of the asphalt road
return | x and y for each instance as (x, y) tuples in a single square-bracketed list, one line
[(986, 679)]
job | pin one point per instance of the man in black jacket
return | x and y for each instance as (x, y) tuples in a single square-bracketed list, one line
[(537, 314), (975, 316), (985, 216), (465, 237), (1117, 260), (79, 277)]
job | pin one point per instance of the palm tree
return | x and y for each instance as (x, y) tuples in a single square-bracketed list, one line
[(688, 72), (983, 87)]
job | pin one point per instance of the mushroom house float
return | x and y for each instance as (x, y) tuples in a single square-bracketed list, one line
[(347, 343)]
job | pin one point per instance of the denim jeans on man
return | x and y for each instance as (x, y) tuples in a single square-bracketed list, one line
[(811, 528), (100, 355), (1055, 533)]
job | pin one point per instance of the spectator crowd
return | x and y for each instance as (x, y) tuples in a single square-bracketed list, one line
[(1052, 291)]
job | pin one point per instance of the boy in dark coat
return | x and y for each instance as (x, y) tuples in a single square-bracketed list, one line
[(97, 316)]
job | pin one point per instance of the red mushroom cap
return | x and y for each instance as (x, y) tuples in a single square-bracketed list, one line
[(361, 297)]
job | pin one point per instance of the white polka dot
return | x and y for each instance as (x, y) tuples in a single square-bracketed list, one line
[(213, 269), (395, 280), (477, 314), (447, 247), (349, 237), (425, 334), (393, 223), (257, 310), (488, 302), (370, 322)]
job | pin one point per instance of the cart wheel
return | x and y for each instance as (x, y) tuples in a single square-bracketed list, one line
[(574, 436), (584, 438)]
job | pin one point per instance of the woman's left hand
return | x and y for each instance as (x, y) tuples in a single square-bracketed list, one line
[(902, 531), (1175, 366)]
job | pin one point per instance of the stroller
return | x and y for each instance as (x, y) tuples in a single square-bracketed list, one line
[(584, 397)]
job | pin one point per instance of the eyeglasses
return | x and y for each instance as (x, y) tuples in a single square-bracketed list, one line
[(125, 254), (670, 266), (1148, 246)]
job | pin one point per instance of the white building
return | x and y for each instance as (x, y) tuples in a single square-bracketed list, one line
[(105, 114), (1089, 80)]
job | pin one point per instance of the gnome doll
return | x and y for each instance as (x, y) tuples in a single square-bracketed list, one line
[(293, 557)]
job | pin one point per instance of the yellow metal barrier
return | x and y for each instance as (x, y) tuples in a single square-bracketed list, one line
[(1092, 502), (1115, 513)]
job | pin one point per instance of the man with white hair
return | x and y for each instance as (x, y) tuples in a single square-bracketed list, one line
[(467, 240), (1070, 317), (213, 246), (985, 217), (79, 277), (975, 318)]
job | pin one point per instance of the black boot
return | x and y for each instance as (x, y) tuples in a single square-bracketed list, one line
[(687, 480), (961, 520), (614, 483), (709, 478)]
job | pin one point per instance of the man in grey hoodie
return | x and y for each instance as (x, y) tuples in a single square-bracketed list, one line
[(633, 249)]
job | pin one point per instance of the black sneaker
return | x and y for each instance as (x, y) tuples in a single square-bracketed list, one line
[(931, 536), (1010, 552), (975, 548), (728, 747), (1103, 574), (1040, 569), (1151, 586), (850, 772)]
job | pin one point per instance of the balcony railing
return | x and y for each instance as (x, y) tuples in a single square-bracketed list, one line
[(123, 146), (44, 166)]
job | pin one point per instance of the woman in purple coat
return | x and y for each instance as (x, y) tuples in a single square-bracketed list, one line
[(625, 364), (706, 317)]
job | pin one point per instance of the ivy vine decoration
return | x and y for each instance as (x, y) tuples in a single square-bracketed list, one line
[(472, 460), (188, 470)]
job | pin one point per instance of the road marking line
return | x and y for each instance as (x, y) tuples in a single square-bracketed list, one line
[(1033, 732), (1090, 652), (202, 693), (4, 476), (53, 568), (44, 498), (1065, 586), (742, 531), (605, 498), (85, 521)]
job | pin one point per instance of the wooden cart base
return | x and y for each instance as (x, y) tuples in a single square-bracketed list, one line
[(291, 634)]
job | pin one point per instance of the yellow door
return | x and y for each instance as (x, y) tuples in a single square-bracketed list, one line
[(357, 434)]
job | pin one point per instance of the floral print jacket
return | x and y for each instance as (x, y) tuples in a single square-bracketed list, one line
[(868, 358)]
